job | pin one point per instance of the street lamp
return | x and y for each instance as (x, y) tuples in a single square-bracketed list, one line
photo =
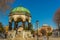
[(37, 25)]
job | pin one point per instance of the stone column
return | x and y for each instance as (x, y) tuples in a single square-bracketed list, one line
[(29, 26), (29, 23), (10, 25), (23, 24), (15, 25)]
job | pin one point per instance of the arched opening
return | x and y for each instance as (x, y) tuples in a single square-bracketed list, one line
[(19, 24)]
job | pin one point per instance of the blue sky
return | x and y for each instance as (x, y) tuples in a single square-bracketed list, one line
[(42, 10)]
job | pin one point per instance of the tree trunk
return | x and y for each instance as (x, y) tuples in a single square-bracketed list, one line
[(58, 29)]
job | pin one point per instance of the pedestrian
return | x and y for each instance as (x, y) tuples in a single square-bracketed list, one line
[(44, 38)]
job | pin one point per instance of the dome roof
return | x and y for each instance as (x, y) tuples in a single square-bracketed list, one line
[(45, 24), (20, 9)]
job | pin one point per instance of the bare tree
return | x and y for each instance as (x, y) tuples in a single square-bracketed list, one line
[(5, 5), (57, 18)]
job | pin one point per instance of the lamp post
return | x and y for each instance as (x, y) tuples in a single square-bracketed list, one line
[(37, 25)]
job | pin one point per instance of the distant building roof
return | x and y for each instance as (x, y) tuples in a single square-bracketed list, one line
[(45, 24), (55, 29)]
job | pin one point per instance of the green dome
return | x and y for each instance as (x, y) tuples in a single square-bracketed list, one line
[(20, 9)]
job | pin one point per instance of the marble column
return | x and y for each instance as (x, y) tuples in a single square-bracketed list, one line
[(10, 25), (15, 25), (29, 26), (23, 24)]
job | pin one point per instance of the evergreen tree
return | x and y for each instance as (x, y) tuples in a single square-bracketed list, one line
[(1, 27)]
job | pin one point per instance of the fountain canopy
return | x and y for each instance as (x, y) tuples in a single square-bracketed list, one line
[(20, 10)]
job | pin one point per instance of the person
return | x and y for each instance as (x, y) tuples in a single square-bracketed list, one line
[(6, 34), (44, 38)]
